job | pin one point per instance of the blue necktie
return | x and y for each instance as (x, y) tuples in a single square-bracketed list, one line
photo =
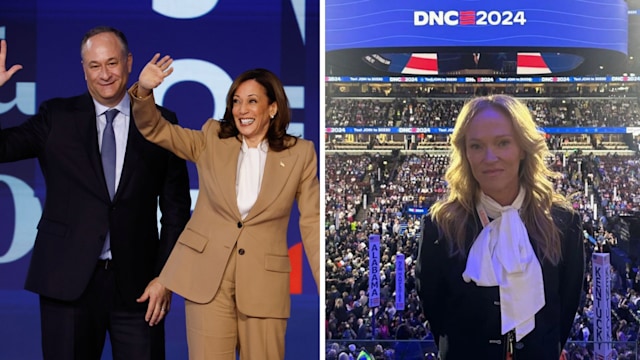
[(109, 152), (109, 165)]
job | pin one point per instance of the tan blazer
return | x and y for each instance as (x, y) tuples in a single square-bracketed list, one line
[(196, 265)]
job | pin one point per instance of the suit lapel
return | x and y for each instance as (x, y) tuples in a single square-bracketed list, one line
[(225, 165), (277, 170), (85, 116), (131, 156)]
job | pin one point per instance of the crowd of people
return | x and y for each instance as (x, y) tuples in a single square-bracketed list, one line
[(393, 90), (619, 189), (442, 112)]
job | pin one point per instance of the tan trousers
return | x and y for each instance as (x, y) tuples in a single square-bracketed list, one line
[(215, 331)]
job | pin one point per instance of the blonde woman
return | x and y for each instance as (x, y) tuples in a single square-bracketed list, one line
[(501, 257)]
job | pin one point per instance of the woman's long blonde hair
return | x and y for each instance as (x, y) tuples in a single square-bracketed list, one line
[(458, 207)]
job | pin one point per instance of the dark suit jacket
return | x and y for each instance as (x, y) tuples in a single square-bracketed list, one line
[(78, 211), (465, 318)]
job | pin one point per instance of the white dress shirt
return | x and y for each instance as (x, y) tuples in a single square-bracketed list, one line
[(120, 129), (121, 132), (249, 177)]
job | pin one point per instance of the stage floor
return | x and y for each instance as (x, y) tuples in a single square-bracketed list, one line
[(20, 328)]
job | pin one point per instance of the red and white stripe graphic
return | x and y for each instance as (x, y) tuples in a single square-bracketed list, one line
[(468, 17), (422, 64), (531, 63)]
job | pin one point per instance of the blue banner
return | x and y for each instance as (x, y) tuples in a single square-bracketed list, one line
[(400, 286), (374, 271), (481, 79), (417, 210)]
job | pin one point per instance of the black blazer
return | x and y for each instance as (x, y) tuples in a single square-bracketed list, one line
[(465, 318), (78, 211)]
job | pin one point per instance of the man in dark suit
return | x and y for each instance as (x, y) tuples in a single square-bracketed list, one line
[(478, 61), (98, 247)]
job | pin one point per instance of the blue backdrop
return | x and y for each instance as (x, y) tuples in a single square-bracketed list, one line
[(212, 41)]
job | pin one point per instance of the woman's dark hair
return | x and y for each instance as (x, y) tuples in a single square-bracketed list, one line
[(277, 133)]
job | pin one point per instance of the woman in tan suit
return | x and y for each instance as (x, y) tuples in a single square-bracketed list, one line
[(231, 262)]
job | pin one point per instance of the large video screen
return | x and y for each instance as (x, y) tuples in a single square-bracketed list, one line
[(450, 38)]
